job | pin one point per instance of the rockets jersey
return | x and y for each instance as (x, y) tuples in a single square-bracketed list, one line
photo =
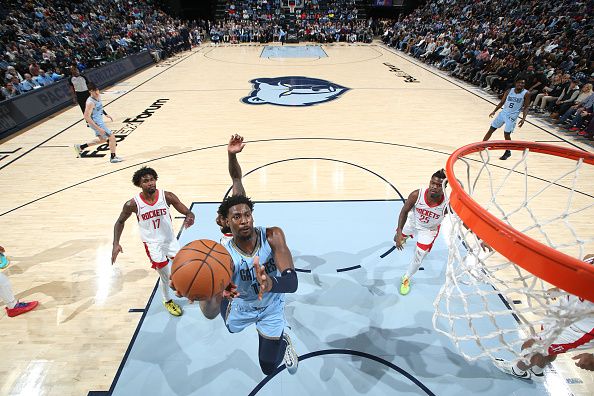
[(426, 216), (514, 102), (154, 220), (244, 274)]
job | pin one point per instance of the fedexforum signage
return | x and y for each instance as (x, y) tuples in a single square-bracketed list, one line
[(401, 73), (130, 126)]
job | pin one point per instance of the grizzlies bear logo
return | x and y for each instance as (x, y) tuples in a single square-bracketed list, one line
[(293, 91)]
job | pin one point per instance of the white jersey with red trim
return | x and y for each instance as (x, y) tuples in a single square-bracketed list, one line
[(154, 220), (427, 216)]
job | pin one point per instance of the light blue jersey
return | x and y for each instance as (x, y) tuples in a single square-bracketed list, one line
[(244, 275), (511, 110), (514, 103), (269, 314), (97, 116)]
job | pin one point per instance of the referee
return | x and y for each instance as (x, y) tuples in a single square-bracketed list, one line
[(78, 86)]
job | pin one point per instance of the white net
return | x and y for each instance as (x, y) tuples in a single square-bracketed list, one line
[(490, 306)]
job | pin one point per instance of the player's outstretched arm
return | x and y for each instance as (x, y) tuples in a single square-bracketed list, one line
[(173, 200), (408, 205), (234, 147), (127, 210), (501, 103), (526, 106)]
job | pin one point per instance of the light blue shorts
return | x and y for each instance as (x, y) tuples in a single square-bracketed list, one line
[(108, 131), (270, 320), (508, 120)]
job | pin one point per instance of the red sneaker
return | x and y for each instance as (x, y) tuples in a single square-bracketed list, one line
[(21, 308), (582, 133), (574, 129)]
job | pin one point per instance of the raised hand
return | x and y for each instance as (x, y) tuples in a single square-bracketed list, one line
[(262, 278), (236, 144)]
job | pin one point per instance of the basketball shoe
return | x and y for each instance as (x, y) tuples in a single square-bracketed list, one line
[(505, 155), (291, 359), (405, 285), (21, 308), (534, 374), (77, 150), (115, 160), (3, 261), (173, 308)]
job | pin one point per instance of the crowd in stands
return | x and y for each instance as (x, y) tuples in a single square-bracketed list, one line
[(263, 21), (491, 43), (41, 39)]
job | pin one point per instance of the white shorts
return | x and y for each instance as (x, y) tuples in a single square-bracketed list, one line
[(159, 253), (425, 236), (508, 120)]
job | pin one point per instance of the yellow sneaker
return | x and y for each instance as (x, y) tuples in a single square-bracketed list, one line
[(405, 286), (173, 308)]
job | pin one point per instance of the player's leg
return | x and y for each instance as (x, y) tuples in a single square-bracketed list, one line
[(497, 123), (568, 340), (270, 353), (510, 125), (78, 148), (13, 306), (425, 240), (275, 345), (112, 144), (157, 254)]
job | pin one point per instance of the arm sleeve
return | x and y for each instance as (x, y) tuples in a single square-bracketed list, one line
[(286, 283)]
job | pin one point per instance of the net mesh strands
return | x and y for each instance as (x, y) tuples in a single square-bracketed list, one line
[(493, 301)]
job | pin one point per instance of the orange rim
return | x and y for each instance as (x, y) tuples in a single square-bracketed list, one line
[(559, 269)]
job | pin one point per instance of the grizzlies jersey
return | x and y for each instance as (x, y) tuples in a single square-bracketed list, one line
[(244, 275), (514, 102), (97, 114)]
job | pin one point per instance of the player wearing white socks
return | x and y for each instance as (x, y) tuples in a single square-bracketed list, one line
[(151, 207), (423, 222)]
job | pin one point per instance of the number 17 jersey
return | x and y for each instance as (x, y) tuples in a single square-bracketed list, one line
[(154, 220)]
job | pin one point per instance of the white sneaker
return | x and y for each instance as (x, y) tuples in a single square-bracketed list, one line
[(509, 368), (536, 376), (116, 160), (78, 150), (291, 358)]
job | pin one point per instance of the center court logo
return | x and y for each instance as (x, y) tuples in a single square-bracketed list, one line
[(293, 91)]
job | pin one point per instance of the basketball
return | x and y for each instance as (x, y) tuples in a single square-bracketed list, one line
[(201, 269)]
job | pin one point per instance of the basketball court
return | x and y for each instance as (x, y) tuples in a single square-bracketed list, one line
[(338, 135)]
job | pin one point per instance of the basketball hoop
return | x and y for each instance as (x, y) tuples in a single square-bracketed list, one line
[(568, 273), (292, 6), (491, 302)]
